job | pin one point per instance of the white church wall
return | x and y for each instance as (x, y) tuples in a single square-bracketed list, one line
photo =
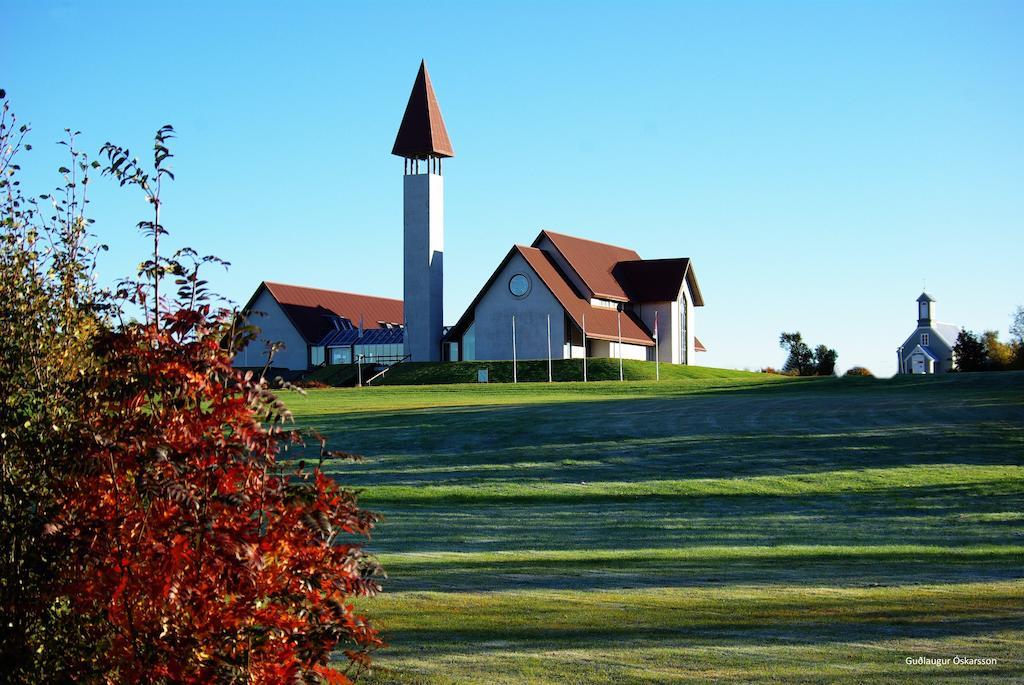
[(610, 350), (274, 326), (572, 351), (494, 311), (629, 351), (668, 346)]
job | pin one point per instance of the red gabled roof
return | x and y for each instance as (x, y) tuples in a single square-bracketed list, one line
[(601, 322), (593, 262), (698, 346), (422, 133), (309, 308)]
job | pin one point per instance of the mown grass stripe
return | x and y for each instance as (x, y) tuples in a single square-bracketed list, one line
[(705, 553), (818, 483)]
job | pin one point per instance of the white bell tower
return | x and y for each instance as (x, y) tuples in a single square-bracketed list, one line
[(423, 142)]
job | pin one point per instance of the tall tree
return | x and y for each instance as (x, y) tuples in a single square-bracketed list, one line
[(1017, 338), (1017, 326), (825, 360), (49, 318), (800, 359), (969, 352)]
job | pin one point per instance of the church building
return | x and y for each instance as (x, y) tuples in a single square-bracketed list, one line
[(929, 349), (313, 326), (561, 297), (566, 297)]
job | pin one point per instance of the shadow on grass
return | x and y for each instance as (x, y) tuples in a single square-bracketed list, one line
[(757, 431), (947, 516), (732, 632), (839, 570)]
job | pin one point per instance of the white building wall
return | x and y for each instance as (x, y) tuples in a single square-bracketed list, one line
[(423, 286), (572, 351), (274, 326), (610, 349), (494, 311), (668, 333)]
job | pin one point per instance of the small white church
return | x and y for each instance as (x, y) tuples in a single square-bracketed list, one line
[(561, 297), (929, 349)]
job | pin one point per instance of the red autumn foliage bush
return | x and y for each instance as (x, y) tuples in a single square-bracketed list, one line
[(208, 560), (179, 547)]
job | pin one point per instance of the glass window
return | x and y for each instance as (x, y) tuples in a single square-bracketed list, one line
[(341, 355), (924, 339), (469, 343), (316, 355), (519, 285), (682, 331)]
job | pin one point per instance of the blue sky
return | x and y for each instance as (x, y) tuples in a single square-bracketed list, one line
[(818, 161)]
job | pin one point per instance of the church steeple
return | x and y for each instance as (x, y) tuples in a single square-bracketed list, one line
[(422, 134), (924, 309)]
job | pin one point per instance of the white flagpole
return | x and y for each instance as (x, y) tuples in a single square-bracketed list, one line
[(619, 320), (584, 348), (657, 344), (515, 374), (549, 349)]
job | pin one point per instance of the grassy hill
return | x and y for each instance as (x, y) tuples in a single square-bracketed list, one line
[(727, 527), (563, 370)]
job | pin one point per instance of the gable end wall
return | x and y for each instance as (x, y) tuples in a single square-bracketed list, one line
[(274, 326)]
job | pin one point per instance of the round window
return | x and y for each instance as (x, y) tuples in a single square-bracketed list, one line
[(519, 285)]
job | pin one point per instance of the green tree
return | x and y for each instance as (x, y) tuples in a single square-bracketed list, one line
[(50, 315), (1017, 338), (1017, 326), (800, 360), (969, 352), (805, 362), (825, 360)]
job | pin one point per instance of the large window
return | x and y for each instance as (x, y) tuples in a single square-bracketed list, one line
[(341, 355), (682, 331), (469, 343), (316, 355), (379, 354)]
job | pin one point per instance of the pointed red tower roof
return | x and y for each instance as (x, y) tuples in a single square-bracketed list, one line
[(422, 133)]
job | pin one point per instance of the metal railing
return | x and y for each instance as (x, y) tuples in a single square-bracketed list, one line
[(387, 367)]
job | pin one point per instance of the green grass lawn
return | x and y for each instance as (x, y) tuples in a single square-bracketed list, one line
[(714, 526)]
